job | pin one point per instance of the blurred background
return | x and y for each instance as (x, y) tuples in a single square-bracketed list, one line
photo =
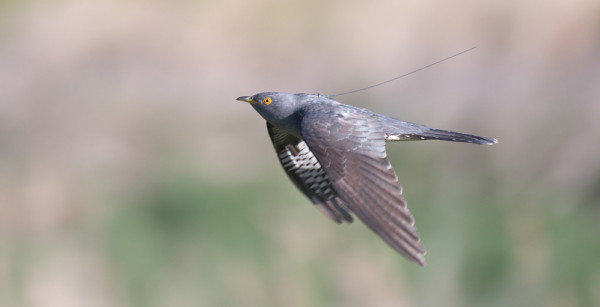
[(130, 176)]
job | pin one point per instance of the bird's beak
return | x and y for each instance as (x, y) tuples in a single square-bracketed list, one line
[(246, 99)]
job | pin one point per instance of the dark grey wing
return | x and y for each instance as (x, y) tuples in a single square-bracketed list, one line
[(306, 173), (350, 145)]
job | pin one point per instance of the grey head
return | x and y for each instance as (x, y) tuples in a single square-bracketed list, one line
[(281, 109)]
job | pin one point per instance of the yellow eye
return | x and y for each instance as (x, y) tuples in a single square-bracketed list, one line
[(267, 100)]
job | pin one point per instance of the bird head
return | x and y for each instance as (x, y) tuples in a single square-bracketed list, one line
[(277, 108)]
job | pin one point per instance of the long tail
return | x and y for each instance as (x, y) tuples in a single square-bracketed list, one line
[(444, 135), (397, 130)]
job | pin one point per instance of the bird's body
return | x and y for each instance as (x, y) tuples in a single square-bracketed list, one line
[(335, 154)]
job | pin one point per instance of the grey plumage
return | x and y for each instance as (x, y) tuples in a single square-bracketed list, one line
[(335, 154)]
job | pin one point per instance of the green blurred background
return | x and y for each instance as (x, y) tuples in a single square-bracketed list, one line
[(130, 176)]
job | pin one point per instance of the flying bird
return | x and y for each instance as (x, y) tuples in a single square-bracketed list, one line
[(335, 154)]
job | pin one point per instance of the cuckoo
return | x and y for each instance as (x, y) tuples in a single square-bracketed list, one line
[(335, 154)]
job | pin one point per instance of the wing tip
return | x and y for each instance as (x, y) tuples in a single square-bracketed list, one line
[(333, 210), (420, 260), (416, 256)]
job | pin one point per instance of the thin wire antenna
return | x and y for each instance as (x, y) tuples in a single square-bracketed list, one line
[(404, 75)]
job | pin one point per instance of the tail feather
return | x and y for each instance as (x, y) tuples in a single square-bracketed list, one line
[(444, 135), (398, 130)]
